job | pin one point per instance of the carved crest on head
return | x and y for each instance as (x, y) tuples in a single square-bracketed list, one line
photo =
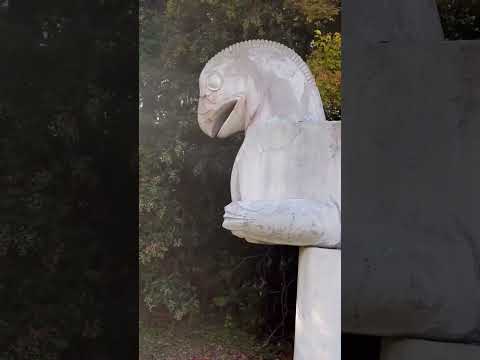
[(256, 46)]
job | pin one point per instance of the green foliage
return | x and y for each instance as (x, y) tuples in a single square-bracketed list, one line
[(460, 18), (158, 209), (178, 296), (189, 264), (325, 62), (319, 11)]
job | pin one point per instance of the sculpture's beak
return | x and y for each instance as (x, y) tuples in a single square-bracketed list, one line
[(224, 120)]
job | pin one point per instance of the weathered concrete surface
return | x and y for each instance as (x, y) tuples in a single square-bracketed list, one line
[(318, 305), (375, 21), (408, 349), (410, 197)]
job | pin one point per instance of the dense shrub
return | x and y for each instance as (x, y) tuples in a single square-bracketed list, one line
[(190, 266), (460, 19)]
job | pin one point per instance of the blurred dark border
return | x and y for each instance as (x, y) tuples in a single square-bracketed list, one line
[(69, 179)]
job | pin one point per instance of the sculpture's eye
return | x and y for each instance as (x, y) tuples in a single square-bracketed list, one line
[(214, 81)]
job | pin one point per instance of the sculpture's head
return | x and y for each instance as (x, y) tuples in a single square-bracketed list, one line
[(243, 80)]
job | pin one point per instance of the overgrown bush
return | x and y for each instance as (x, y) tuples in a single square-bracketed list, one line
[(190, 266), (325, 62), (460, 19)]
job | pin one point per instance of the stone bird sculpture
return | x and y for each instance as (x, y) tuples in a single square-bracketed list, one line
[(285, 182)]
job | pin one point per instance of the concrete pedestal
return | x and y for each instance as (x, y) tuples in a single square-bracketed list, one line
[(318, 315), (412, 349)]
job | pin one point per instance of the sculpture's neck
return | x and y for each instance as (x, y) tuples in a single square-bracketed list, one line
[(266, 113), (282, 100)]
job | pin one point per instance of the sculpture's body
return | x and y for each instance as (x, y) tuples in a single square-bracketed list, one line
[(286, 178)]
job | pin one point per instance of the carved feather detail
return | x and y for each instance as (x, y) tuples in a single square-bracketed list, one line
[(237, 48)]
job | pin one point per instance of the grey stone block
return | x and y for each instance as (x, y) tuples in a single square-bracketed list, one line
[(428, 350), (410, 197), (374, 21)]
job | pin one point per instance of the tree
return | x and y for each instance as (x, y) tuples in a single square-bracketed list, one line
[(184, 175), (325, 63), (319, 11), (460, 18)]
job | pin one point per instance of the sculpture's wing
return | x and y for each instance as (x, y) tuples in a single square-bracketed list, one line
[(296, 222)]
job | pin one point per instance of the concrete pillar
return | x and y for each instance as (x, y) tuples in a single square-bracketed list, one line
[(318, 315)]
